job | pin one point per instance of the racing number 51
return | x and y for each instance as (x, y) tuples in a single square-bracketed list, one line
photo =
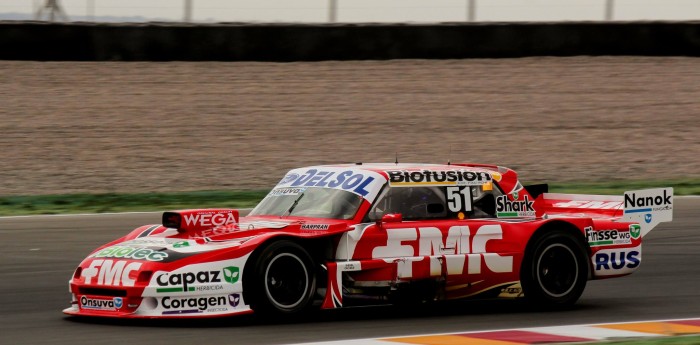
[(459, 199)]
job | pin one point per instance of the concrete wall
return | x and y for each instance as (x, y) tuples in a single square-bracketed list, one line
[(301, 42)]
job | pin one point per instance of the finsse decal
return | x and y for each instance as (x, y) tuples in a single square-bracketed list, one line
[(180, 282), (110, 272), (611, 237), (515, 208), (398, 178), (401, 242), (360, 182)]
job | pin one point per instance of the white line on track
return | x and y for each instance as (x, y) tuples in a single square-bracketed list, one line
[(603, 333)]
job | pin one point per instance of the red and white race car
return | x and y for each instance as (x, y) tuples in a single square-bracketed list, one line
[(345, 235)]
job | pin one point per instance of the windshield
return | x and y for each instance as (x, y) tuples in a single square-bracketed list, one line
[(309, 202)]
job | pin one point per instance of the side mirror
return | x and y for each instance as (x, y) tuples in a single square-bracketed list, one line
[(390, 218)]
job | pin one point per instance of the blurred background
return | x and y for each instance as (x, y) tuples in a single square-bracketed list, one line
[(349, 11)]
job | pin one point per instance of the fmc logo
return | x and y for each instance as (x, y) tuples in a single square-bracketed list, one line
[(111, 272)]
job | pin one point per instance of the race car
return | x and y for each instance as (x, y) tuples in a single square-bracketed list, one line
[(347, 235)]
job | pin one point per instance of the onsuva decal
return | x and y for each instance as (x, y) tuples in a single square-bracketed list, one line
[(286, 191), (315, 226), (515, 208), (608, 237), (617, 261), (361, 182), (190, 305), (130, 252), (399, 178), (110, 272), (100, 303), (196, 281)]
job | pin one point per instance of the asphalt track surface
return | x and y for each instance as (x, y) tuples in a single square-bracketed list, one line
[(40, 253)]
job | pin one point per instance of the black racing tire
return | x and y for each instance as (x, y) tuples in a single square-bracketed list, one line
[(554, 270), (282, 280)]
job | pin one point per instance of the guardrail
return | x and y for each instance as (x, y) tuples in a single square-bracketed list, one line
[(303, 42)]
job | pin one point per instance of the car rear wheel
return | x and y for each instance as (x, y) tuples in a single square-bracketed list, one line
[(284, 280), (554, 270)]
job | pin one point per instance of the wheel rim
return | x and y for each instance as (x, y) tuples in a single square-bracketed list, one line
[(557, 270), (286, 281)]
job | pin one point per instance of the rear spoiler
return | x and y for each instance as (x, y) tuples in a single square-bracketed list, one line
[(648, 207)]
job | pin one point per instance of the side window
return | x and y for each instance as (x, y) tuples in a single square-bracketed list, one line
[(451, 202), (413, 203), (484, 201)]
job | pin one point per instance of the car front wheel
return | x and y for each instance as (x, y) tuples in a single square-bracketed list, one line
[(284, 280)]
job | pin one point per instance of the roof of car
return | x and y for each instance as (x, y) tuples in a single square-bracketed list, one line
[(384, 167)]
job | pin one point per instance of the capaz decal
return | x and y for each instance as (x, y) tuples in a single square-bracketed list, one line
[(134, 253), (231, 274), (515, 208), (110, 272), (608, 237), (188, 305), (398, 178), (180, 282)]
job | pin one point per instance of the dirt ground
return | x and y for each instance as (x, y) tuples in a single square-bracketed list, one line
[(70, 127)]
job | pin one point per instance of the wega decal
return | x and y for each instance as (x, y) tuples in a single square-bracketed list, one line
[(110, 272), (204, 219), (315, 226), (405, 178), (515, 208)]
